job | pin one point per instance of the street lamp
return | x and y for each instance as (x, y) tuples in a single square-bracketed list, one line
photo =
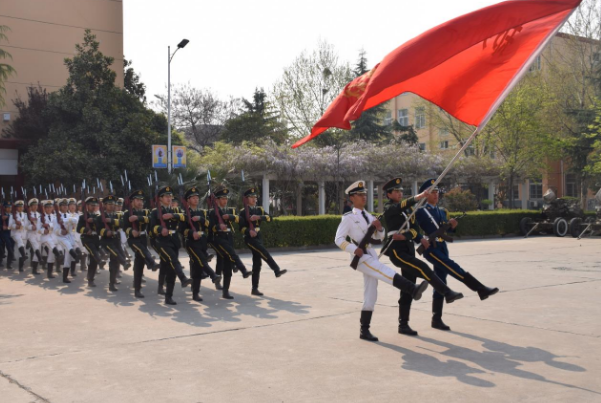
[(180, 45)]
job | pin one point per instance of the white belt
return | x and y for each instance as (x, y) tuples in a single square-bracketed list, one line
[(142, 233)]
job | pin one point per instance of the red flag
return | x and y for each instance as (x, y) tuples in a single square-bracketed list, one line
[(465, 66)]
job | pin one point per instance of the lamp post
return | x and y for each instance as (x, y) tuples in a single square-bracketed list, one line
[(180, 45)]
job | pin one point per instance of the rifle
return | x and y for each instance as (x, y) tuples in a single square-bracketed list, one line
[(187, 209), (27, 210), (212, 202), (59, 219), (366, 239), (101, 207), (84, 208), (12, 196), (439, 233), (251, 226)]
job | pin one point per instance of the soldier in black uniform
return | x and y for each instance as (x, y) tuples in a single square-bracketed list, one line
[(90, 231), (250, 223), (401, 251), (165, 223), (136, 224), (222, 228), (111, 240), (195, 238)]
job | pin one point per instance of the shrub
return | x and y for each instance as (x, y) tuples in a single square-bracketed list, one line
[(460, 200)]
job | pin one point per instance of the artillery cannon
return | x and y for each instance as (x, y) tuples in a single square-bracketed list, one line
[(591, 225), (554, 216)]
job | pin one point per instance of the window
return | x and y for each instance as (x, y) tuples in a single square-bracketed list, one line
[(422, 146), (535, 66), (403, 117), (443, 132), (516, 192), (596, 57), (420, 118), (444, 145), (536, 190), (387, 118), (571, 185)]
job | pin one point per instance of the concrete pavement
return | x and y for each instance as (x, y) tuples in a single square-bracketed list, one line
[(538, 340)]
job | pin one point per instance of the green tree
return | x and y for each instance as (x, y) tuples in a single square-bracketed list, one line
[(258, 121), (369, 126), (31, 124), (96, 128), (6, 70), (132, 82), (520, 133)]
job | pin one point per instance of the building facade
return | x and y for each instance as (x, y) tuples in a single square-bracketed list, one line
[(41, 35)]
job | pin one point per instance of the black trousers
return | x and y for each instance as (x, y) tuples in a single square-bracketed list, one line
[(259, 254), (197, 250), (116, 252), (92, 245), (411, 268), (168, 247), (7, 246), (142, 257), (226, 258)]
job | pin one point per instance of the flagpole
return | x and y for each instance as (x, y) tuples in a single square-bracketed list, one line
[(520, 74)]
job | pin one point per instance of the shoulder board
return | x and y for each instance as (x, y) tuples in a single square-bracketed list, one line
[(345, 214)]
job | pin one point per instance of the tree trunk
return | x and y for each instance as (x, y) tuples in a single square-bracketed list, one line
[(510, 191)]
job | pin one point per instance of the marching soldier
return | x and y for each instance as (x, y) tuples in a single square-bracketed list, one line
[(401, 251), (63, 231), (165, 223), (73, 215), (33, 224), (250, 226), (5, 238), (121, 212), (195, 238), (18, 231), (112, 241), (222, 229), (429, 218), (136, 223), (355, 225), (47, 229), (89, 226)]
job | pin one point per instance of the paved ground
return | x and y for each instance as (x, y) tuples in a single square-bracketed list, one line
[(539, 340)]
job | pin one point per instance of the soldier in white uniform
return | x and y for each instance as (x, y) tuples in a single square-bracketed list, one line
[(17, 224), (33, 225), (66, 224), (48, 241), (355, 224), (74, 213)]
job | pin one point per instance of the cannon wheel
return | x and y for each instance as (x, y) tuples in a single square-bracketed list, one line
[(526, 225), (575, 229), (560, 227)]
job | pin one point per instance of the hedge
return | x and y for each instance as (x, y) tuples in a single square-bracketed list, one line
[(283, 232)]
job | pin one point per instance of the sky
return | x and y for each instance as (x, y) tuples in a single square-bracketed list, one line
[(237, 46)]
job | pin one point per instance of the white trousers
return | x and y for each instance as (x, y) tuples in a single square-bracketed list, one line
[(65, 242), (48, 241), (20, 238), (373, 270), (34, 240)]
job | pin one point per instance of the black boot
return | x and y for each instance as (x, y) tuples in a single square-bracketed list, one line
[(73, 264), (416, 290), (161, 290), (186, 282), (73, 254), (245, 273), (138, 293), (112, 287), (169, 294), (217, 281), (442, 288), (196, 290), (483, 291), (365, 320), (280, 273), (226, 294), (255, 291), (22, 252), (34, 268), (404, 321), (21, 264), (437, 322), (50, 267), (39, 255), (66, 275)]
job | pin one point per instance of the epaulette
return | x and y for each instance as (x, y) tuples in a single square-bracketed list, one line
[(347, 213)]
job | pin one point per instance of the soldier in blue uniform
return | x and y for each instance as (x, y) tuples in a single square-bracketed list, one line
[(401, 251), (429, 218), (7, 245), (250, 226)]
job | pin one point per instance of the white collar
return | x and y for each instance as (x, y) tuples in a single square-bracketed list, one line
[(357, 211)]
